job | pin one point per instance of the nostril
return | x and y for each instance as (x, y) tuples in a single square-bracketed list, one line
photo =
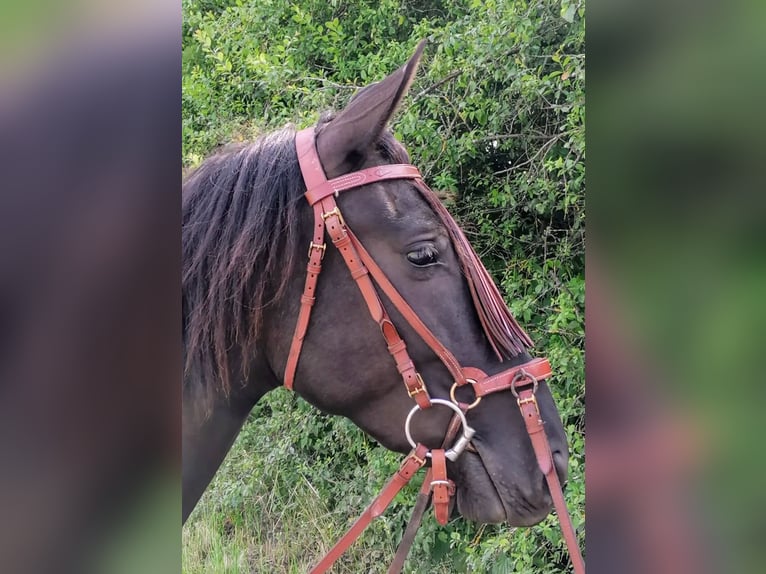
[(561, 462)]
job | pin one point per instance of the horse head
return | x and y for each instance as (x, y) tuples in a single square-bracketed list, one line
[(345, 367)]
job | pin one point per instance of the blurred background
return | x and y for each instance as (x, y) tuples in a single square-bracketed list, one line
[(675, 283), (90, 125), (89, 298)]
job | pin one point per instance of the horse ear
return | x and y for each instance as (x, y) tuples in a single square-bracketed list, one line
[(344, 142)]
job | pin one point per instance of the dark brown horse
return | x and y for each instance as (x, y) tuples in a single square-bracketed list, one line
[(246, 229)]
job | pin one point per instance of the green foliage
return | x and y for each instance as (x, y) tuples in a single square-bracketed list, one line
[(495, 119)]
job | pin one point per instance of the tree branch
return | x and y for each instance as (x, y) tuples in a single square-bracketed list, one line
[(431, 88)]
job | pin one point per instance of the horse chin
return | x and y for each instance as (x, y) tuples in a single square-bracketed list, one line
[(478, 499)]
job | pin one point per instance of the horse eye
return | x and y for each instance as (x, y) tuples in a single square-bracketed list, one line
[(423, 257)]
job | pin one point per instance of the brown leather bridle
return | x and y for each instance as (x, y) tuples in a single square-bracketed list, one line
[(521, 380)]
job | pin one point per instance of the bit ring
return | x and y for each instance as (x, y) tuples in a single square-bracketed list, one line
[(460, 443), (522, 374)]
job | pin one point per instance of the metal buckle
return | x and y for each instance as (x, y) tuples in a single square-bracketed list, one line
[(529, 400), (322, 247), (334, 211), (522, 374), (414, 457), (454, 400), (460, 444), (418, 389), (526, 401)]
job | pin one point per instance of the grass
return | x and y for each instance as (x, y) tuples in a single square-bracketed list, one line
[(275, 532), (294, 482)]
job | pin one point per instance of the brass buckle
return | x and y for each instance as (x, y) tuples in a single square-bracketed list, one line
[(322, 247), (334, 211), (417, 459), (421, 388), (527, 400), (518, 377)]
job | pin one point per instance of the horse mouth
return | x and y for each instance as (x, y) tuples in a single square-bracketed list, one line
[(485, 496)]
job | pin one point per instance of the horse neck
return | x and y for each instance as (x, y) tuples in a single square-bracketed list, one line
[(248, 385)]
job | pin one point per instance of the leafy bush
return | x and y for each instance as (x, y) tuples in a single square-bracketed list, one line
[(496, 118)]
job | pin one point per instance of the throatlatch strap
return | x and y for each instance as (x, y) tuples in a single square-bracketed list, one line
[(317, 249)]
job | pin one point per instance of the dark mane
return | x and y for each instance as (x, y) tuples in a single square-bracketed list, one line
[(240, 231)]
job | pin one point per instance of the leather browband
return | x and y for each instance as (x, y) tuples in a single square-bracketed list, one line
[(360, 178), (318, 186)]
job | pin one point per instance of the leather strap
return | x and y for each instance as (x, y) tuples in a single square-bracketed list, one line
[(313, 175), (359, 178), (530, 412), (414, 462), (342, 239), (416, 519), (308, 159), (539, 368), (441, 486), (408, 313), (317, 249), (328, 218), (421, 504)]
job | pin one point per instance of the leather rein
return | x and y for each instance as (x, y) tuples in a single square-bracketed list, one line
[(521, 380)]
